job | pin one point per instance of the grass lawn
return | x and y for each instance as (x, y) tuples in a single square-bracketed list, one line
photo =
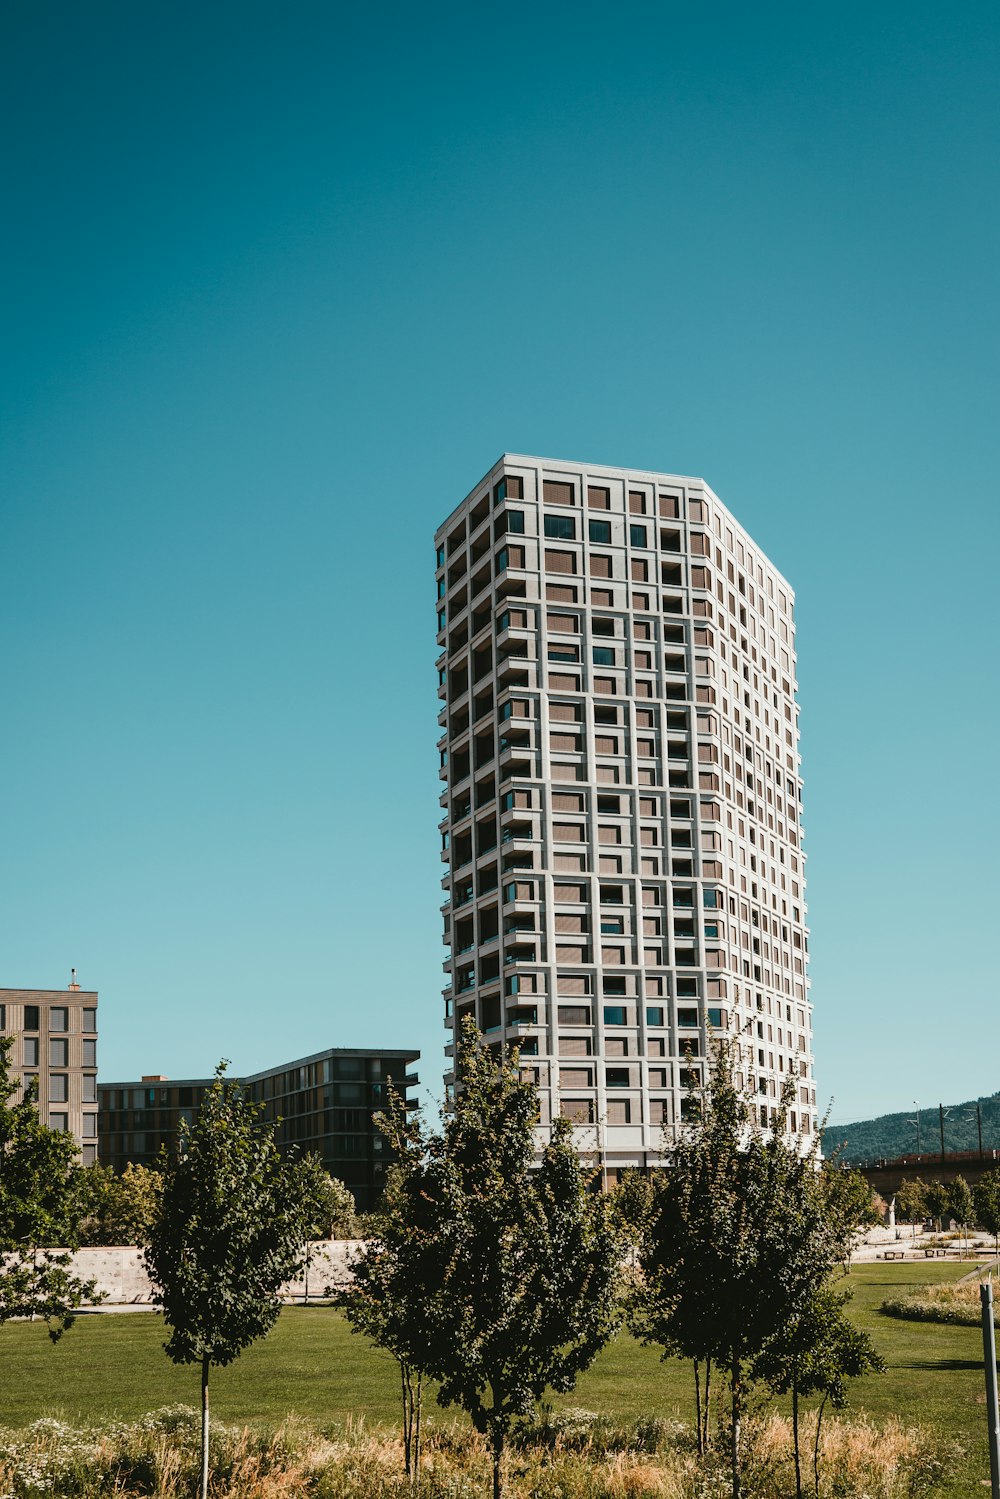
[(311, 1363)]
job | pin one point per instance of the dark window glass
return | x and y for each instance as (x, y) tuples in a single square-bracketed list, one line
[(614, 1014), (31, 1017), (561, 527), (654, 1014), (603, 655), (600, 531), (637, 535)]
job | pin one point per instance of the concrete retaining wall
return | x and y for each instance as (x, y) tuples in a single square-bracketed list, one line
[(121, 1275)]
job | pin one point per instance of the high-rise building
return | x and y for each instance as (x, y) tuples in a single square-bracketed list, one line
[(622, 798), (55, 1049), (321, 1104)]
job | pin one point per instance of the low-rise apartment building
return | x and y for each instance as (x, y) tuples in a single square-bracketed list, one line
[(322, 1104)]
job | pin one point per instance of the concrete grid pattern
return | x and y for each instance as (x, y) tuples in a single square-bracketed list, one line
[(621, 829)]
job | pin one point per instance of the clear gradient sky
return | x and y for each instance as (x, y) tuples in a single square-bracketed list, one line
[(281, 281)]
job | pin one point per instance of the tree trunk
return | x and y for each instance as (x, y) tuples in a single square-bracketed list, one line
[(795, 1439), (498, 1465), (735, 1374), (204, 1426), (819, 1426), (416, 1427), (697, 1407), (708, 1403), (406, 1385)]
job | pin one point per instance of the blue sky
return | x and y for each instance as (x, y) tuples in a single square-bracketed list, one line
[(282, 281)]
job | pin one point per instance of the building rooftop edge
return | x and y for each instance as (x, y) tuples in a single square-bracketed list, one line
[(53, 993), (252, 1077), (618, 471)]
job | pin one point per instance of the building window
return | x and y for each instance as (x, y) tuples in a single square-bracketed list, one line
[(603, 655), (90, 1053), (614, 1014), (59, 1122), (58, 1053), (31, 1017), (58, 1018), (560, 527), (598, 498), (90, 1126), (58, 1087), (90, 1088), (616, 1077), (600, 531), (654, 1014), (30, 1051), (557, 492), (637, 535), (511, 521)]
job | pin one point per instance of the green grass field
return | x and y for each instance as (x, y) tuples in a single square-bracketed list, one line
[(114, 1366)]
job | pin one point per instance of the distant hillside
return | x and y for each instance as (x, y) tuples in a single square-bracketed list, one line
[(892, 1135)]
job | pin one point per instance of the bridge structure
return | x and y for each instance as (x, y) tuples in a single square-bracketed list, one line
[(887, 1176)]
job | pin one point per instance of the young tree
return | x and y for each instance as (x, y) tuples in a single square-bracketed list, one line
[(328, 1207), (741, 1238), (514, 1265), (851, 1202), (937, 1199), (911, 1202), (37, 1212), (117, 1209), (961, 1205), (398, 1273), (986, 1195), (816, 1352), (230, 1233)]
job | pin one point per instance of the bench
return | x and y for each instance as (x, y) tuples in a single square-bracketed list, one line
[(894, 1254)]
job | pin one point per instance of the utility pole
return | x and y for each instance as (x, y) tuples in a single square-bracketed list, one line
[(979, 1127), (941, 1123), (917, 1122), (990, 1364)]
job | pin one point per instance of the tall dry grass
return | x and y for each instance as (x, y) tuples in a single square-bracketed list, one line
[(577, 1455), (945, 1301)]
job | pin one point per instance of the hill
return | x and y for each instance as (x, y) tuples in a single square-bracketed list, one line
[(892, 1135)]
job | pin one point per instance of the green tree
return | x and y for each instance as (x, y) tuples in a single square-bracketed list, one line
[(911, 1202), (740, 1240), (38, 1213), (396, 1278), (514, 1265), (118, 1209), (937, 1199), (816, 1352), (961, 1205), (328, 1208), (986, 1195), (230, 1233), (851, 1202)]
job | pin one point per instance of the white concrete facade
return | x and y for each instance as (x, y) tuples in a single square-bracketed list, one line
[(621, 824)]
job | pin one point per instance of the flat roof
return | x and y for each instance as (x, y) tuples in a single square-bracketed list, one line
[(383, 1053)]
